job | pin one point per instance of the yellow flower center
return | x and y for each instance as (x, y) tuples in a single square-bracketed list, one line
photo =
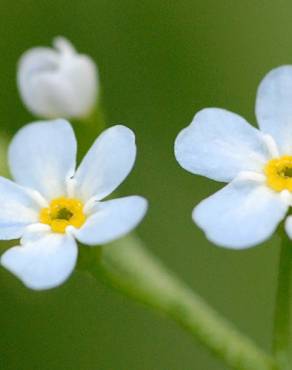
[(279, 173), (63, 212)]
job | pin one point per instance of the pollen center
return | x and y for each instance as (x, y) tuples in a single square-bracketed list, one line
[(279, 173), (63, 212)]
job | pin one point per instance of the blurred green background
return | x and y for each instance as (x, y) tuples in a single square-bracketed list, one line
[(160, 62)]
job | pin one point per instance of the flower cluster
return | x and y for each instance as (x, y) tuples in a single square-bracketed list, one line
[(51, 205)]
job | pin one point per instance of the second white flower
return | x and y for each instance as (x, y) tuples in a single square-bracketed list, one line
[(257, 164)]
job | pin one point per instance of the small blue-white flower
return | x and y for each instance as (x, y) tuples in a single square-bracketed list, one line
[(257, 164), (50, 204), (58, 82)]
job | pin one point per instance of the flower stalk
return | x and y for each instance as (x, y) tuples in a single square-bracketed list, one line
[(128, 267), (88, 128), (283, 301)]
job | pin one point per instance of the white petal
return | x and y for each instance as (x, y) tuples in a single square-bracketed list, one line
[(34, 65), (17, 210), (111, 220), (81, 77), (34, 232), (219, 144), (107, 163), (244, 213), (274, 107), (43, 264), (42, 156), (288, 226)]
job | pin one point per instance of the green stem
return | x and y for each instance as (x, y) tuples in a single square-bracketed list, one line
[(88, 129), (127, 266), (283, 301), (96, 120)]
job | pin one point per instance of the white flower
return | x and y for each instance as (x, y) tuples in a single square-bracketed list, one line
[(57, 82), (257, 165), (50, 204)]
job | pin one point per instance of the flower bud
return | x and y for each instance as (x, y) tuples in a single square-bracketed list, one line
[(58, 82)]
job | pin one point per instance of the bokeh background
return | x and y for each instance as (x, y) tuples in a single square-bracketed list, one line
[(160, 62)]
